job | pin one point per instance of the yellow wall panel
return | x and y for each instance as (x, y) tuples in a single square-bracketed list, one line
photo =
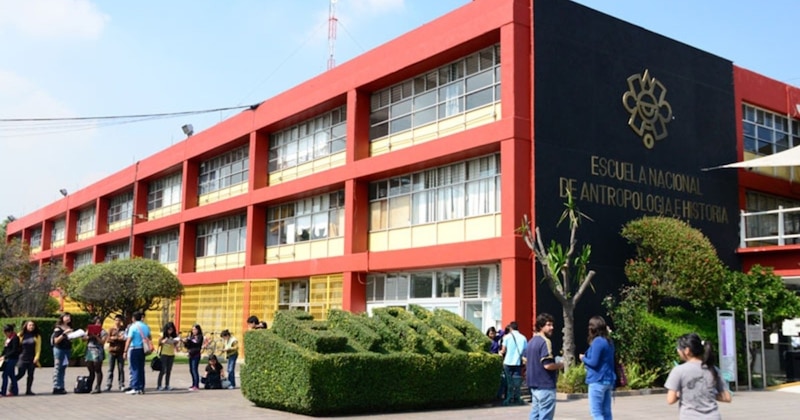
[(222, 194), (335, 247), (423, 235), (85, 235), (480, 227), (122, 224), (163, 211), (450, 232), (379, 241), (379, 147), (57, 244), (325, 293), (263, 299), (400, 238)]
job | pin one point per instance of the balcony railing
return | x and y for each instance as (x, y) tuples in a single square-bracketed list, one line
[(771, 227)]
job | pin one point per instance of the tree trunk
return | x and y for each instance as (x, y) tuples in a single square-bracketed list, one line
[(569, 335)]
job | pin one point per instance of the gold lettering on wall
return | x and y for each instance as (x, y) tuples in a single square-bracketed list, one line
[(629, 193)]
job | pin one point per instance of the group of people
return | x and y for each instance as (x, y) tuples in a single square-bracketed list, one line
[(696, 383), (21, 353)]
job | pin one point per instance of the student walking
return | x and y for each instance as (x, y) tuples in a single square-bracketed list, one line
[(31, 342), (11, 351), (696, 383)]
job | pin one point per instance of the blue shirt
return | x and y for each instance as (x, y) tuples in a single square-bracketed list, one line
[(515, 344), (539, 354), (599, 362), (133, 334)]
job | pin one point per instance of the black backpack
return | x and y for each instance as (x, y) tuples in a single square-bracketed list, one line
[(82, 385)]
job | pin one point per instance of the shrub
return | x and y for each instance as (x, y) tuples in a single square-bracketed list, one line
[(392, 362), (573, 381), (640, 377)]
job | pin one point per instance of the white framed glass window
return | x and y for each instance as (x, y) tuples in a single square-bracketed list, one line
[(59, 230), (120, 207), (450, 90), (312, 218), (86, 220), (316, 137), (455, 191), (225, 170), (164, 192), (222, 236), (162, 247), (120, 251), (767, 132), (293, 294), (82, 259), (36, 238)]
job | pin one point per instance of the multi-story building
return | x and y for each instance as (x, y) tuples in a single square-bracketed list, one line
[(401, 176)]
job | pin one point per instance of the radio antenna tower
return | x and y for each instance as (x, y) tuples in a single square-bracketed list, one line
[(332, 21)]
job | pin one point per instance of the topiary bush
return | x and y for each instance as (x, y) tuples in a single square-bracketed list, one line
[(395, 361)]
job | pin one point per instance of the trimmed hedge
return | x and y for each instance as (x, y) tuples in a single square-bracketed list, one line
[(396, 361), (46, 326)]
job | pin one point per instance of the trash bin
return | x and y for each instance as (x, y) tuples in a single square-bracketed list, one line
[(793, 365)]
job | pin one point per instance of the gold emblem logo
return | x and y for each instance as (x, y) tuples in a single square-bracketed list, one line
[(650, 111)]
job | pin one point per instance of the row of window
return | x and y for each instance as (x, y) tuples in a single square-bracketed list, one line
[(466, 283), (766, 132), (315, 138)]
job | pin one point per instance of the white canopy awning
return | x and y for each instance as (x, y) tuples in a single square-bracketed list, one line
[(790, 157)]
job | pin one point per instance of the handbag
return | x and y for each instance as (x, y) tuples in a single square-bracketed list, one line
[(622, 379), (155, 363), (147, 344)]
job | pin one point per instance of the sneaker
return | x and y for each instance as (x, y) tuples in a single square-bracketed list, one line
[(108, 388), (123, 389), (193, 388), (168, 388), (133, 392), (29, 393), (158, 388), (231, 387), (59, 391)]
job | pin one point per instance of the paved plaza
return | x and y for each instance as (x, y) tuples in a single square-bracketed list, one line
[(230, 404)]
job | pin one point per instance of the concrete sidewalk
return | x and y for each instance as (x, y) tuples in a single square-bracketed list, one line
[(783, 403)]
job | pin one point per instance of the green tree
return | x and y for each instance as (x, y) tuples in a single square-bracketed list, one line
[(24, 287), (563, 268), (122, 287), (673, 260), (760, 288)]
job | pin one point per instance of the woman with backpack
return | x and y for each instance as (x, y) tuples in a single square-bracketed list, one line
[(600, 369)]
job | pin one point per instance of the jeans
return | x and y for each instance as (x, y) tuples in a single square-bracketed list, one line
[(513, 384), (119, 361), (24, 367), (194, 364), (232, 369), (543, 404), (60, 362), (600, 400), (136, 361), (9, 375), (166, 369)]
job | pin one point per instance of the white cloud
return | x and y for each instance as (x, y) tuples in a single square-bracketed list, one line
[(377, 7), (53, 18)]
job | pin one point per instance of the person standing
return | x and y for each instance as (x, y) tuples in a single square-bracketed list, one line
[(116, 353), (31, 341), (231, 349), (193, 343), (696, 383), (11, 352), (542, 372), (600, 374), (62, 349), (134, 351), (167, 353), (95, 340), (513, 350)]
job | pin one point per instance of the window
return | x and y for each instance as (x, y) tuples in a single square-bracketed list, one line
[(224, 171), (450, 90), (82, 259), (293, 294), (120, 251), (36, 238), (120, 208), (59, 229), (767, 224), (312, 218), (222, 236), (766, 132), (460, 190), (312, 139), (164, 192), (162, 248), (418, 285), (86, 221)]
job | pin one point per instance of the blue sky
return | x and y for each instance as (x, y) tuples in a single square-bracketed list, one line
[(79, 58)]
